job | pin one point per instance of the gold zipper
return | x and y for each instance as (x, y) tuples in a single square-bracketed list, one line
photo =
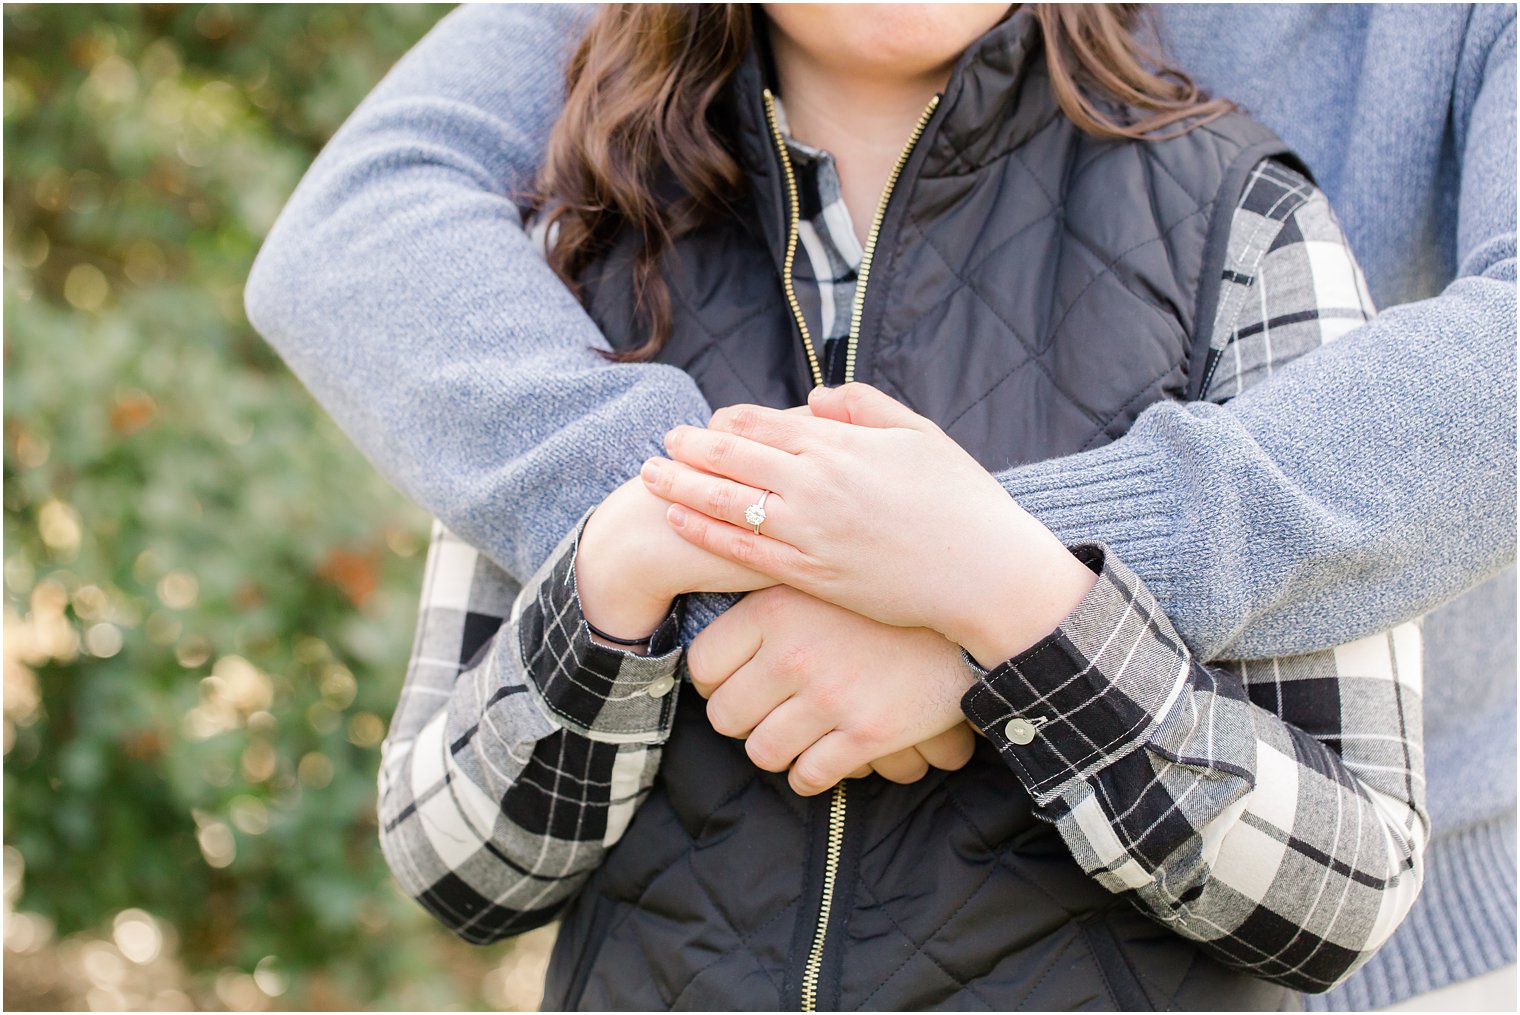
[(791, 236), (869, 253), (835, 849), (814, 965)]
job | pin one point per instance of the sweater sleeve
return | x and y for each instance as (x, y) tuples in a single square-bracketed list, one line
[(399, 285), (1365, 483), (400, 288)]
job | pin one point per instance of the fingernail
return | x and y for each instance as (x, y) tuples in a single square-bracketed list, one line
[(652, 468), (677, 516)]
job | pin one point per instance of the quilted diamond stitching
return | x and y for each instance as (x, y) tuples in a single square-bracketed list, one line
[(685, 855), (1002, 861), (743, 938), (918, 949), (1032, 358), (715, 345), (1106, 271)]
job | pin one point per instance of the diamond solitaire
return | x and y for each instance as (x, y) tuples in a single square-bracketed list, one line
[(754, 515)]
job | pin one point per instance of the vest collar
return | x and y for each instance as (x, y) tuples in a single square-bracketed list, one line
[(997, 97)]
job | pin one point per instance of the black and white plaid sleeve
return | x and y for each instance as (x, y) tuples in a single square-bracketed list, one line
[(1290, 282), (520, 748), (1273, 810)]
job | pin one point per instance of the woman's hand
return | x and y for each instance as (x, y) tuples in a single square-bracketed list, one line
[(828, 693), (630, 565), (875, 509)]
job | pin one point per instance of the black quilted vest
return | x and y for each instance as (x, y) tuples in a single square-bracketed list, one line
[(1033, 290)]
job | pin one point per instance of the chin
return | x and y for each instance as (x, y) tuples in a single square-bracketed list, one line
[(884, 39)]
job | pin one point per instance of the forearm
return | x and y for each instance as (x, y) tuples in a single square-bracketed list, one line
[(1352, 488), (1365, 484), (513, 766), (400, 287)]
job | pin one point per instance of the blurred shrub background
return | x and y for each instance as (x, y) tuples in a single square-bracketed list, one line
[(208, 594)]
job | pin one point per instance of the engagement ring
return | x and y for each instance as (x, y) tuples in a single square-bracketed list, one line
[(755, 513)]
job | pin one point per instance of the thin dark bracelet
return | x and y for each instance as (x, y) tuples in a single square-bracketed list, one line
[(618, 641)]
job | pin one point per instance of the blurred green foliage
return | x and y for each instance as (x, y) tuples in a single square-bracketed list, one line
[(208, 593)]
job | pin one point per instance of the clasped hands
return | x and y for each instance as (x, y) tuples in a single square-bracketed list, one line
[(886, 547)]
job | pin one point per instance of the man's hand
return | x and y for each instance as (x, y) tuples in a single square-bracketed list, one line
[(826, 692)]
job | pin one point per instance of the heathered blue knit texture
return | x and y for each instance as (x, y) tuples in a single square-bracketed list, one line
[(1364, 484)]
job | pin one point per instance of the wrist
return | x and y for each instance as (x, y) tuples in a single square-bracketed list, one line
[(1028, 592), (619, 593)]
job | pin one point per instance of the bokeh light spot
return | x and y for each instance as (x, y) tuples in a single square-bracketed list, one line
[(103, 965), (15, 872), (178, 589), (103, 640), (86, 288), (58, 525), (310, 650), (259, 761), (19, 574), (238, 991), (249, 815), (315, 769), (338, 686), (245, 685), (32, 451), (322, 718), (91, 602), (217, 844), (137, 935), (193, 652), (366, 730), (268, 978), (113, 80)]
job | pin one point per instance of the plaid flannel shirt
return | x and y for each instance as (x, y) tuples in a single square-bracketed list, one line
[(1272, 810)]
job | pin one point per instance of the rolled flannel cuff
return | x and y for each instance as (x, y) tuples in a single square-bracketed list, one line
[(1089, 693), (601, 693)]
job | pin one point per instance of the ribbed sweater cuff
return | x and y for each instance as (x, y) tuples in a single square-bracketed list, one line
[(1462, 925), (1123, 495)]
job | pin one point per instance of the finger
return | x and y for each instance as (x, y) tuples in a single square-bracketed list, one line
[(746, 698), (724, 646), (951, 749), (862, 405), (860, 773), (792, 727), (782, 429), (770, 557), (714, 496), (904, 766), (822, 765), (737, 458)]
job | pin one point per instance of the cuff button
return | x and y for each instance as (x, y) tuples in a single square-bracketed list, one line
[(660, 686), (1021, 731)]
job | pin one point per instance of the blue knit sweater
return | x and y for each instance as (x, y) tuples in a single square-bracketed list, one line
[(1375, 477)]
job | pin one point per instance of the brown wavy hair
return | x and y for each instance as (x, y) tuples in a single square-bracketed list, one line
[(636, 147)]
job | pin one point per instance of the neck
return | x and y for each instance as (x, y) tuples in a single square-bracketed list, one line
[(828, 107), (864, 121)]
